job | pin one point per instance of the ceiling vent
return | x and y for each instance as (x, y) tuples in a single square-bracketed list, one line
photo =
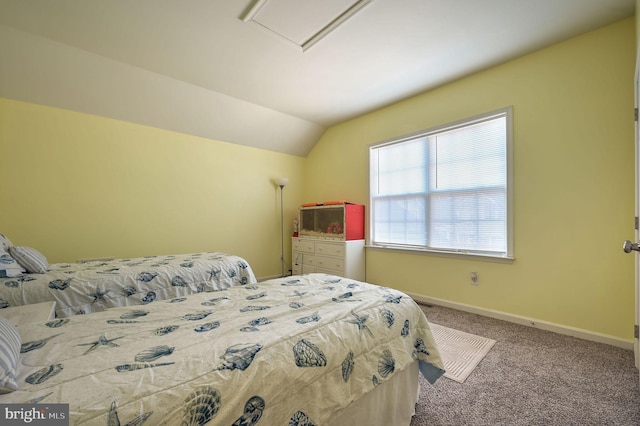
[(302, 23)]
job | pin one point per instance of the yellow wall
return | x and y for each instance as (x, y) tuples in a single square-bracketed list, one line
[(79, 186), (573, 182)]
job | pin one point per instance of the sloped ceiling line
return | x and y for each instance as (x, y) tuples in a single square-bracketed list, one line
[(37, 70)]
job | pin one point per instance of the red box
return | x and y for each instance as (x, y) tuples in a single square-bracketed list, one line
[(334, 221)]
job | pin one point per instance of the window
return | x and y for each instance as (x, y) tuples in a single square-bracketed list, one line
[(446, 189)]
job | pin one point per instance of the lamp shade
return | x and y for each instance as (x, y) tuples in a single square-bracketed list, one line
[(282, 181)]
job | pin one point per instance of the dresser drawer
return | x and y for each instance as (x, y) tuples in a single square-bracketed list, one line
[(330, 249), (323, 261), (307, 259), (335, 264), (303, 246), (329, 271), (342, 258), (302, 269)]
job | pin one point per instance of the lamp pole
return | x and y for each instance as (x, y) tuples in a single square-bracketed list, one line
[(281, 183)]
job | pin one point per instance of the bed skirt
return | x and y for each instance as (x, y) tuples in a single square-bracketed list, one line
[(391, 403)]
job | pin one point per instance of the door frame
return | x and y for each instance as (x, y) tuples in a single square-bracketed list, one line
[(636, 343)]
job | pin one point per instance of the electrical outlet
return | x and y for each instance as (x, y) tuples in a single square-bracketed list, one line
[(474, 278)]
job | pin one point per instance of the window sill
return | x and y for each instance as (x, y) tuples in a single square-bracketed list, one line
[(442, 253)]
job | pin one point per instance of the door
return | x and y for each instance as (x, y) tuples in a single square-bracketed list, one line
[(628, 246), (636, 346)]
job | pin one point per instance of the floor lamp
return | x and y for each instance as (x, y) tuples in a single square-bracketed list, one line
[(281, 182)]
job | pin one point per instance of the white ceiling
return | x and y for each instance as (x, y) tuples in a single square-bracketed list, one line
[(389, 50)]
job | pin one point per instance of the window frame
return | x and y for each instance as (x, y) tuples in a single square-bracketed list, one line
[(507, 112)]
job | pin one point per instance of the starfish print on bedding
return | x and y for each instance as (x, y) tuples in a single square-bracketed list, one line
[(390, 298), (99, 295), (345, 298), (102, 341), (360, 322), (213, 273)]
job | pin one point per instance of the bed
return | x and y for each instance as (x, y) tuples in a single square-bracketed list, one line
[(82, 288), (302, 350)]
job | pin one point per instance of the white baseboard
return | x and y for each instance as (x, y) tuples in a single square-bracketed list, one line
[(531, 322)]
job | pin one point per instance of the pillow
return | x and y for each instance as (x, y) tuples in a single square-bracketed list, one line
[(9, 355), (5, 243), (30, 259), (9, 268)]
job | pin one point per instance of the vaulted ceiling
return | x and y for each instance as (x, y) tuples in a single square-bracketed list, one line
[(211, 67)]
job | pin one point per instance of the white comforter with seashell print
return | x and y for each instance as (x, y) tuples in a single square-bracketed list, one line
[(291, 350), (82, 288)]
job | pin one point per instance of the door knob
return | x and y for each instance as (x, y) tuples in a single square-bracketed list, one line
[(628, 246)]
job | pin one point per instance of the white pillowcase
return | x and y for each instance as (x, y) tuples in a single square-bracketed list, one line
[(30, 259), (9, 355)]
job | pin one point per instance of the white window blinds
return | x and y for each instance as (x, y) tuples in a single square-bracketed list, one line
[(445, 189)]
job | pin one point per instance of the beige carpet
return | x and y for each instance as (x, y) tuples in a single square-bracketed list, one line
[(461, 352), (531, 377)]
